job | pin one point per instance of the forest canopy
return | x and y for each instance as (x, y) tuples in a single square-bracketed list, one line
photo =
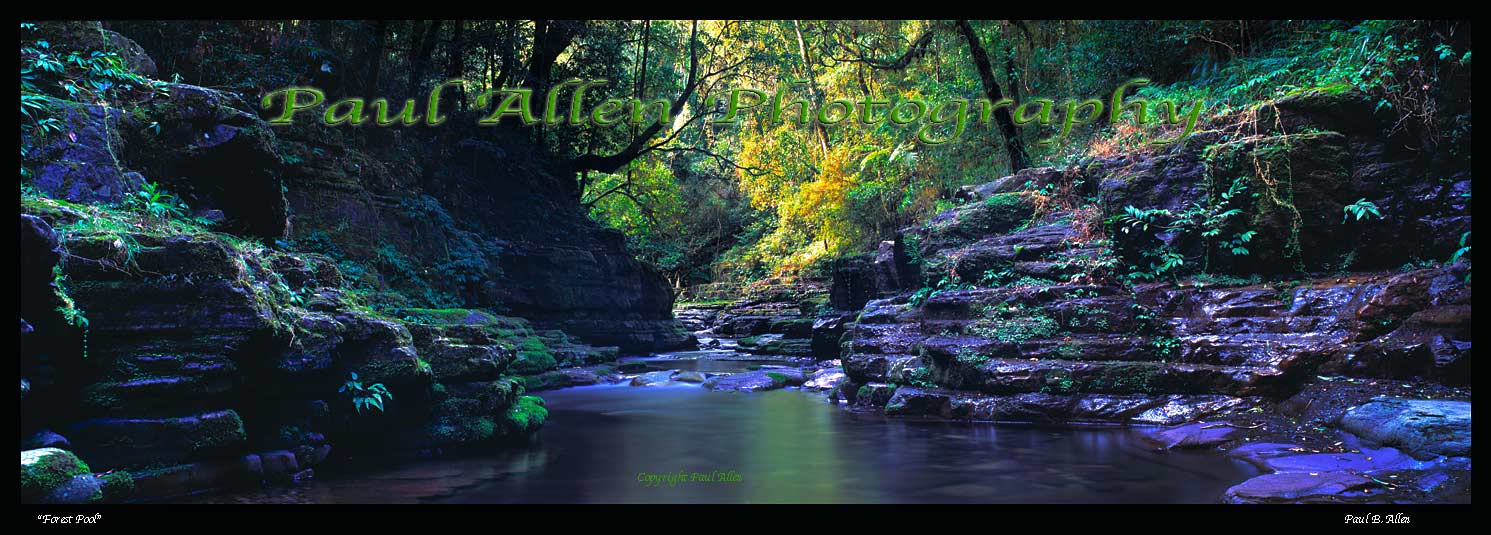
[(707, 195)]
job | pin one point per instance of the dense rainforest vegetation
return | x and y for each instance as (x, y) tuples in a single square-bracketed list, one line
[(1265, 223), (743, 202)]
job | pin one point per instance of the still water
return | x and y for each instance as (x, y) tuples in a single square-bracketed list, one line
[(684, 444)]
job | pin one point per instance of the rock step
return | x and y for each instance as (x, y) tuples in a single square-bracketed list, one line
[(877, 367), (128, 442), (1270, 351), (1060, 376), (1162, 409), (1253, 324), (1279, 351), (776, 344), (1084, 347)]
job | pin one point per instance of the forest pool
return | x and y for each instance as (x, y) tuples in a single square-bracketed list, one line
[(684, 444)]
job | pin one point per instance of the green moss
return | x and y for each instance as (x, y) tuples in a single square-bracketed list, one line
[(544, 380), (394, 370), (876, 395), (997, 214), (1059, 383), (531, 361), (921, 377), (704, 302), (53, 468), (527, 415), (533, 343), (777, 377), (463, 430), (1069, 351), (1014, 324), (117, 485), (217, 432), (447, 316)]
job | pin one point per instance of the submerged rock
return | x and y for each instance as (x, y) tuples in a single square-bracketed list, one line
[(1196, 435), (690, 377), (756, 381), (653, 378)]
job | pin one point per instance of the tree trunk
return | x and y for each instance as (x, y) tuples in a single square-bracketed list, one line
[(455, 66), (807, 67), (550, 38), (420, 57), (1019, 159), (375, 67)]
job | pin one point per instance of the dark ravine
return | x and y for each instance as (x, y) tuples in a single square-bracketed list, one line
[(160, 359)]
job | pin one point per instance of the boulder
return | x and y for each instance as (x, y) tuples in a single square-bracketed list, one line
[(653, 379), (755, 381), (1295, 487), (45, 438), (48, 474), (690, 376), (825, 379), (82, 166), (1191, 436), (911, 401), (83, 488), (1423, 428)]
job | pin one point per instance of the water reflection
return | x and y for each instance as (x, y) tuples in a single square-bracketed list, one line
[(603, 443)]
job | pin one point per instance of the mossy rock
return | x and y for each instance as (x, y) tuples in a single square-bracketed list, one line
[(459, 316), (46, 469), (997, 214), (462, 430), (875, 394), (118, 486), (527, 415), (531, 362)]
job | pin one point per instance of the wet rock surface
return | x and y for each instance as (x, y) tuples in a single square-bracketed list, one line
[(1421, 427), (1020, 313)]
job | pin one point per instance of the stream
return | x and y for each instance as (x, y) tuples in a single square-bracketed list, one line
[(680, 443)]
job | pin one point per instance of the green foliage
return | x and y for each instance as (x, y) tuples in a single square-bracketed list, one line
[(945, 284), (80, 76), (1362, 208), (69, 309), (1207, 220), (154, 201), (1165, 347), (969, 357), (1464, 249), (1462, 253), (921, 377), (371, 396)]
